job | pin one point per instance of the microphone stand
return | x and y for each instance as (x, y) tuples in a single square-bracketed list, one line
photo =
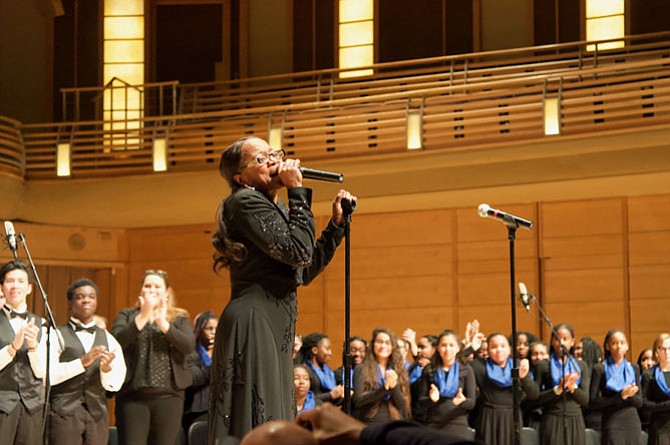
[(51, 325), (516, 402), (348, 207)]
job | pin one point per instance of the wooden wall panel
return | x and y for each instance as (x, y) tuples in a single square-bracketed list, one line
[(649, 241), (597, 264)]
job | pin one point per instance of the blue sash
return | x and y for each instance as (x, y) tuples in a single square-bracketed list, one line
[(447, 383), (618, 377), (500, 376), (205, 359), (557, 368), (309, 402), (415, 374), (660, 380), (325, 374)]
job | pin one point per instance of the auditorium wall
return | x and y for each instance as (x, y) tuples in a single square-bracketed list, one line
[(595, 263)]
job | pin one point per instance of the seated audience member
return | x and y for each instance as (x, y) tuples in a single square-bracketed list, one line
[(357, 349), (304, 397), (315, 354), (495, 423), (90, 364), (156, 338), (615, 386), (196, 399), (447, 389), (330, 426), (22, 360), (656, 392), (381, 391)]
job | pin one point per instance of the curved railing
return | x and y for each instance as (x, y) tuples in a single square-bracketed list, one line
[(495, 102)]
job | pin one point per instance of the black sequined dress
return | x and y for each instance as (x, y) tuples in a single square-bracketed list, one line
[(252, 370)]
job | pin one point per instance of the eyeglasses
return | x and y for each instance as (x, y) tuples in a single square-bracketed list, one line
[(263, 157), (159, 272)]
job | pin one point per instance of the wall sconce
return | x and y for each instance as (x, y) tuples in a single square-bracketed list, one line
[(275, 135), (414, 129), (159, 152), (552, 116), (63, 155)]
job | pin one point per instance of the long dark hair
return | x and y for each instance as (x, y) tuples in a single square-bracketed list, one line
[(395, 362), (228, 250)]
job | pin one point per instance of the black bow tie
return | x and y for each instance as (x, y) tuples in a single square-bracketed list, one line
[(78, 327), (14, 314)]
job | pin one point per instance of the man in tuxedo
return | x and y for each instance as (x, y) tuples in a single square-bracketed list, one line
[(22, 360), (90, 364)]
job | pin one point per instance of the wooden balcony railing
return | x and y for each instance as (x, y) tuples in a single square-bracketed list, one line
[(12, 157), (489, 103)]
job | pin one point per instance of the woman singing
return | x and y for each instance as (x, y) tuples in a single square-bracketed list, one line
[(270, 249), (156, 338)]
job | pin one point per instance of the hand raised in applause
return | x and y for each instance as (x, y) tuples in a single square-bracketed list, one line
[(391, 379), (95, 353), (434, 393), (459, 397), (160, 315), (629, 391), (524, 368), (106, 360), (31, 333)]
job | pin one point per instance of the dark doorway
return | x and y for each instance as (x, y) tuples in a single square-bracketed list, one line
[(188, 42)]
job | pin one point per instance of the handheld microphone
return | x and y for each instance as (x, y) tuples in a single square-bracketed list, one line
[(485, 211), (320, 175), (11, 237), (525, 298)]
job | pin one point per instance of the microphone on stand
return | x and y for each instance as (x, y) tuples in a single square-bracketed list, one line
[(485, 211), (525, 298), (320, 175), (11, 238)]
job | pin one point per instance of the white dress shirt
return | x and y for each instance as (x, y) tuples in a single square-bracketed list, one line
[(38, 357), (62, 371)]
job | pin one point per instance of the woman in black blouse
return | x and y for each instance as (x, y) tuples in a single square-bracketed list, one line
[(315, 354), (381, 384), (447, 389), (656, 392), (156, 337)]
